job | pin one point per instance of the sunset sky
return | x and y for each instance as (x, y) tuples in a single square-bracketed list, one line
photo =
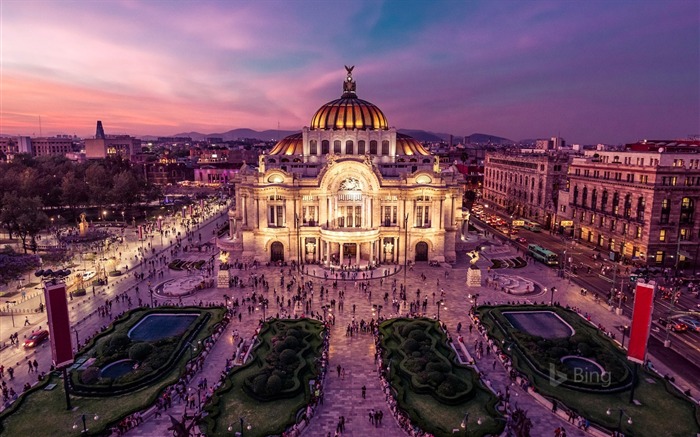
[(592, 71)]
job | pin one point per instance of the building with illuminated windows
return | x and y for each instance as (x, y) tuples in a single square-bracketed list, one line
[(638, 203), (525, 185), (346, 190)]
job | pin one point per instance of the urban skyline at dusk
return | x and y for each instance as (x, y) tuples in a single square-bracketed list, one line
[(591, 72)]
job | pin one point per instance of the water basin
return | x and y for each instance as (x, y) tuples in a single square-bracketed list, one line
[(545, 324), (158, 326), (116, 369), (586, 365)]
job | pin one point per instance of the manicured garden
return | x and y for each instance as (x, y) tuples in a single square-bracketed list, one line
[(430, 385), (270, 389), (590, 395), (44, 407)]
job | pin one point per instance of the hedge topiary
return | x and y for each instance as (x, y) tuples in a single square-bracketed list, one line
[(90, 375), (140, 351)]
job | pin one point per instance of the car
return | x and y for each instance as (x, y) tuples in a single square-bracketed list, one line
[(36, 338), (693, 324), (673, 324), (521, 240), (88, 275)]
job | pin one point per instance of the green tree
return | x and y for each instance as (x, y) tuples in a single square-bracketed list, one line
[(30, 220), (98, 182), (125, 191), (9, 210)]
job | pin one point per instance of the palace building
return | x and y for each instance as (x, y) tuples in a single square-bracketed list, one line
[(347, 190)]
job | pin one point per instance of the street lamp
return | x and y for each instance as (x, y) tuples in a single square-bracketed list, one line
[(230, 427), (83, 418), (378, 308), (440, 303), (465, 423), (624, 333), (619, 421), (551, 297)]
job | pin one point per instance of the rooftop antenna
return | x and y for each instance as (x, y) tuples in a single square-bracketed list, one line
[(40, 134)]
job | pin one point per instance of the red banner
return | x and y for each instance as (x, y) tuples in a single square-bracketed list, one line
[(641, 322), (59, 324), (140, 232), (160, 224)]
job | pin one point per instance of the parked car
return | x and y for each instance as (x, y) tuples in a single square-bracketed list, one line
[(88, 275), (522, 240), (675, 325), (693, 324), (36, 338)]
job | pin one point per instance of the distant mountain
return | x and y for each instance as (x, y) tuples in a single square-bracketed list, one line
[(477, 138), (235, 134), (423, 136)]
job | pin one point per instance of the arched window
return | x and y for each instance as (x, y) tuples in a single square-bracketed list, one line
[(575, 195), (584, 197), (337, 146), (372, 147), (361, 147), (385, 147), (313, 147), (349, 147), (594, 199), (604, 201), (324, 147)]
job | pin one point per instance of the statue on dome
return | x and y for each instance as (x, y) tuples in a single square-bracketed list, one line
[(349, 85)]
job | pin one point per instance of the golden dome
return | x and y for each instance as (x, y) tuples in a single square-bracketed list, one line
[(290, 145), (349, 112), (406, 145)]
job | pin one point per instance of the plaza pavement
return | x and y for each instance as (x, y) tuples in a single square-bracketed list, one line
[(356, 354)]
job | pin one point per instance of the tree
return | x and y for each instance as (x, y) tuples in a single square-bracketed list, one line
[(98, 182), (30, 220), (9, 209), (125, 191), (74, 191)]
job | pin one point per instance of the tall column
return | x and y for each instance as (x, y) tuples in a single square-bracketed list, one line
[(257, 213), (320, 248), (358, 249), (340, 246)]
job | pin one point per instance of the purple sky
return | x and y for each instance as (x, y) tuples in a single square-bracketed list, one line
[(592, 71)]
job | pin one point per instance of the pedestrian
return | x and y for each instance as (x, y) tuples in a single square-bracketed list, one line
[(364, 392), (459, 327), (26, 320), (11, 372), (470, 328), (339, 368), (30, 367)]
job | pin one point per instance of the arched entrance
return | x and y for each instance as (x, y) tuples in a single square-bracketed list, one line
[(422, 251), (276, 252)]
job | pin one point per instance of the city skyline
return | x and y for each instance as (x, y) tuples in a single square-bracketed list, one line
[(591, 72)]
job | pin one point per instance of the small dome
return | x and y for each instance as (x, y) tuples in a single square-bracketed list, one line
[(290, 145), (406, 145), (349, 112)]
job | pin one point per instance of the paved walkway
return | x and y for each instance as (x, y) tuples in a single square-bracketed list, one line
[(356, 354)]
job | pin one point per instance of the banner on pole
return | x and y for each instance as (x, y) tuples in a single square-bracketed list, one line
[(641, 322), (141, 232), (59, 323)]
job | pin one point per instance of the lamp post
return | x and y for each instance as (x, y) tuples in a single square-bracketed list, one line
[(77, 340), (230, 427), (624, 333), (439, 304), (378, 308), (551, 297), (465, 424), (623, 413), (83, 418)]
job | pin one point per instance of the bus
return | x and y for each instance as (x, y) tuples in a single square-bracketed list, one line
[(543, 255), (531, 226)]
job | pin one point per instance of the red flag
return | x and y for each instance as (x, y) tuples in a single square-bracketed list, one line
[(59, 323), (641, 321)]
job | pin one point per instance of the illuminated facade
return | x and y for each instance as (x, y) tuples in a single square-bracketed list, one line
[(347, 190), (638, 203)]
